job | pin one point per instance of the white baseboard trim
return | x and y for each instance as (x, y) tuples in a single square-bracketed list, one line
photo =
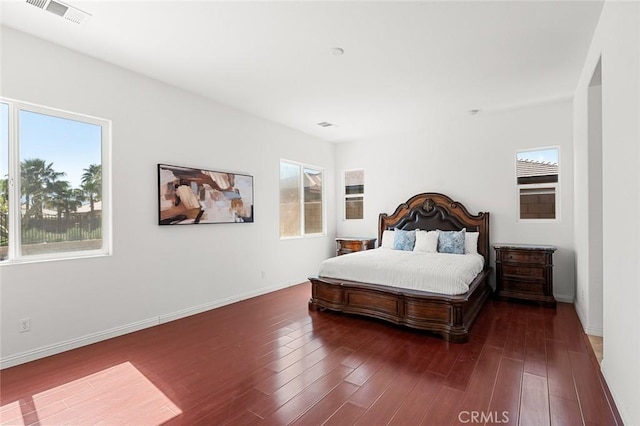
[(622, 409), (594, 331), (183, 313), (67, 345), (56, 348), (563, 298)]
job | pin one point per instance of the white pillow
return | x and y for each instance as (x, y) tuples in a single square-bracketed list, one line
[(471, 242), (388, 236), (426, 241)]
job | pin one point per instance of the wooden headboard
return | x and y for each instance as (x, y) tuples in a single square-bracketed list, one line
[(432, 210)]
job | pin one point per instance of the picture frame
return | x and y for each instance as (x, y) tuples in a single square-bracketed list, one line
[(190, 196)]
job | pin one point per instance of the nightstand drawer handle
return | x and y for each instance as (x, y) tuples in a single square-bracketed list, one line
[(531, 259)]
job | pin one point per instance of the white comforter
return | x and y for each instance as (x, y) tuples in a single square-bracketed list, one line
[(435, 272)]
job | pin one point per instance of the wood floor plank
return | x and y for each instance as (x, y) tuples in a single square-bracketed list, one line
[(443, 359), (564, 412), (318, 359), (323, 410), (371, 390), (445, 409), (505, 401), (559, 373), (305, 399), (374, 361), (593, 401), (478, 394), (497, 333), (535, 357), (269, 360), (534, 406), (385, 407), (514, 345), (461, 371), (348, 414), (418, 400), (297, 354)]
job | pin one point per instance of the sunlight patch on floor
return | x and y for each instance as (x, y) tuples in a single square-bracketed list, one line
[(596, 344), (117, 395)]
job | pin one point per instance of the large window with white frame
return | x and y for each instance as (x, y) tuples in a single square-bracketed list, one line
[(301, 200), (537, 179), (54, 193)]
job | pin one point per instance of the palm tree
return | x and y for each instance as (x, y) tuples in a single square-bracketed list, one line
[(92, 184), (37, 178), (63, 198)]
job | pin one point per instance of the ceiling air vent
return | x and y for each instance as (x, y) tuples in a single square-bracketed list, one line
[(70, 13)]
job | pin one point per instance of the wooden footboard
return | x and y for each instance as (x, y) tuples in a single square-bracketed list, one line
[(449, 316)]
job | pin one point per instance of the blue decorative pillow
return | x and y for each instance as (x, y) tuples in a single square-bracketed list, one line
[(451, 242), (405, 240)]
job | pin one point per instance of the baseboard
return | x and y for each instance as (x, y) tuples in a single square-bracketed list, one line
[(89, 339), (594, 331), (67, 345), (183, 313), (622, 409), (563, 298)]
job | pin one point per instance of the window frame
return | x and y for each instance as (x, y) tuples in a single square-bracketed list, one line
[(347, 196), (301, 167), (14, 252), (556, 185)]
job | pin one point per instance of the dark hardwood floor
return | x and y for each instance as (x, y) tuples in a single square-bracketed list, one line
[(268, 360)]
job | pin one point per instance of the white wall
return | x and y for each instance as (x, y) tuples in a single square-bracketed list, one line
[(617, 41), (155, 273), (472, 159)]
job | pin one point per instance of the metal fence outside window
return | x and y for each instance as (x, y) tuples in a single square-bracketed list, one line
[(54, 229)]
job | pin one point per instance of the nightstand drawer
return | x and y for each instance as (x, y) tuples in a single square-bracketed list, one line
[(522, 286), (523, 257), (523, 271)]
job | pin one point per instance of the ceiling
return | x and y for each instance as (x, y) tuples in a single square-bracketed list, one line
[(404, 65)]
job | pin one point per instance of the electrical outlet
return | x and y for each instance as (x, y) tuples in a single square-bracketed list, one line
[(25, 325), (263, 274)]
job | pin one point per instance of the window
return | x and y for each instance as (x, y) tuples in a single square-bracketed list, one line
[(537, 174), (301, 200), (53, 175), (354, 194)]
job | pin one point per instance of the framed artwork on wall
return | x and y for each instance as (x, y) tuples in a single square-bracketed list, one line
[(190, 196)]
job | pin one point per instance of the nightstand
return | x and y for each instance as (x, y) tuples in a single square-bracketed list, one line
[(525, 272), (353, 244)]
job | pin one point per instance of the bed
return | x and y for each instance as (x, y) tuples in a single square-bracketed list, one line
[(450, 316)]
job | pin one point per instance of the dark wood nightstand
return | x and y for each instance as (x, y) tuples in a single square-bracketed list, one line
[(353, 244), (525, 272)]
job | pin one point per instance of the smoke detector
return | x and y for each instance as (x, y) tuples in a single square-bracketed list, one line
[(61, 9)]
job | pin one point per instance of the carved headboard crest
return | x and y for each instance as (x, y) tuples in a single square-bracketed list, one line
[(428, 205)]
